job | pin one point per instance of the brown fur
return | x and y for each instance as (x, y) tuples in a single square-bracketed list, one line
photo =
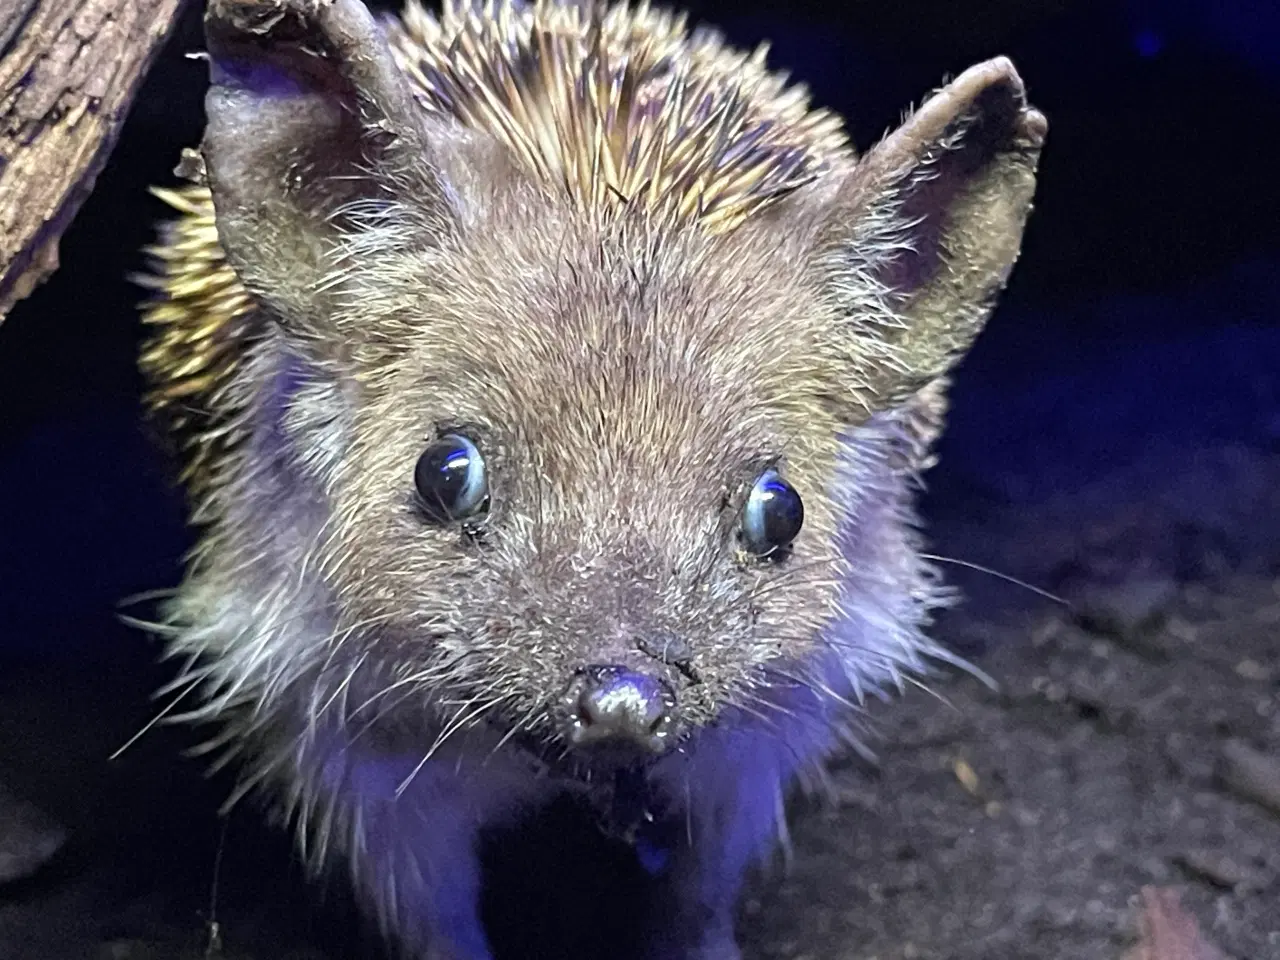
[(626, 140), (637, 271)]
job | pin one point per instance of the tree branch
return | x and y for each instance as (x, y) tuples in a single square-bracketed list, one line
[(69, 70)]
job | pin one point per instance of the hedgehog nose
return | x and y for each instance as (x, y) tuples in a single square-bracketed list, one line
[(614, 704)]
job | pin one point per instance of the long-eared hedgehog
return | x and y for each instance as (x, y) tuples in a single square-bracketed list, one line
[(551, 383)]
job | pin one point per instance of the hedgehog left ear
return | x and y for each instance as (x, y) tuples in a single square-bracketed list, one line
[(921, 235), (313, 136)]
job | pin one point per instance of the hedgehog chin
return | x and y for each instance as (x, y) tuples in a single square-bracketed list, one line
[(612, 756), (593, 763)]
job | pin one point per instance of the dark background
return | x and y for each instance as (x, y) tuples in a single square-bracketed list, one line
[(1157, 217), (1143, 310)]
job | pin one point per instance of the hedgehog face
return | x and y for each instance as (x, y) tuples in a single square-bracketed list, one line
[(617, 457), (590, 471)]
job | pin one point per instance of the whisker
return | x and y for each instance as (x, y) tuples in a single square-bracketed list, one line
[(454, 725), (528, 718), (373, 721), (969, 565), (751, 711), (146, 595), (815, 683), (149, 626), (194, 684), (436, 672), (341, 688)]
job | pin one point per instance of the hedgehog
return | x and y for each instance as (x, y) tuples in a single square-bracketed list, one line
[(552, 384)]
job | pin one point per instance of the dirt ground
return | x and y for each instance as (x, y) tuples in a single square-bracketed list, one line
[(1022, 822), (1017, 822)]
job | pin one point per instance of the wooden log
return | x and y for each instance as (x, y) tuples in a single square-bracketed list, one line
[(69, 70)]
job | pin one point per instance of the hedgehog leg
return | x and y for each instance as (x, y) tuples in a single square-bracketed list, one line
[(414, 852), (698, 923), (732, 815), (416, 864), (715, 942)]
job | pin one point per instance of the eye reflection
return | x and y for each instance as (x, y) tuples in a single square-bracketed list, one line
[(451, 479), (773, 515)]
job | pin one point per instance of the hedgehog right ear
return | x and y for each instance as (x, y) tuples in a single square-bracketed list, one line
[(312, 135), (924, 231)]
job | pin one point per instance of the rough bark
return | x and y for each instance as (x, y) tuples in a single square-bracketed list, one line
[(69, 70)]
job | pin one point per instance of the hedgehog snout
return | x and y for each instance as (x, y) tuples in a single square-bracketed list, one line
[(619, 707)]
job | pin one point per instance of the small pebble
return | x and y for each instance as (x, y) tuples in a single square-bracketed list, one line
[(1253, 670), (1220, 870), (1250, 774), (29, 838), (967, 776), (1125, 609)]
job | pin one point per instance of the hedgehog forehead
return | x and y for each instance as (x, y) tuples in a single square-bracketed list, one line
[(622, 317), (613, 353)]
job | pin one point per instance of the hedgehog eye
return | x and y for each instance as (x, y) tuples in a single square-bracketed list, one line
[(773, 515), (451, 479)]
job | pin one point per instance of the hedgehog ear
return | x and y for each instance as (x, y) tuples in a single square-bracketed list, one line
[(922, 233), (312, 135)]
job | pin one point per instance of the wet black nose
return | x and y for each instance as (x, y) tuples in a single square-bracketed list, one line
[(615, 704)]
